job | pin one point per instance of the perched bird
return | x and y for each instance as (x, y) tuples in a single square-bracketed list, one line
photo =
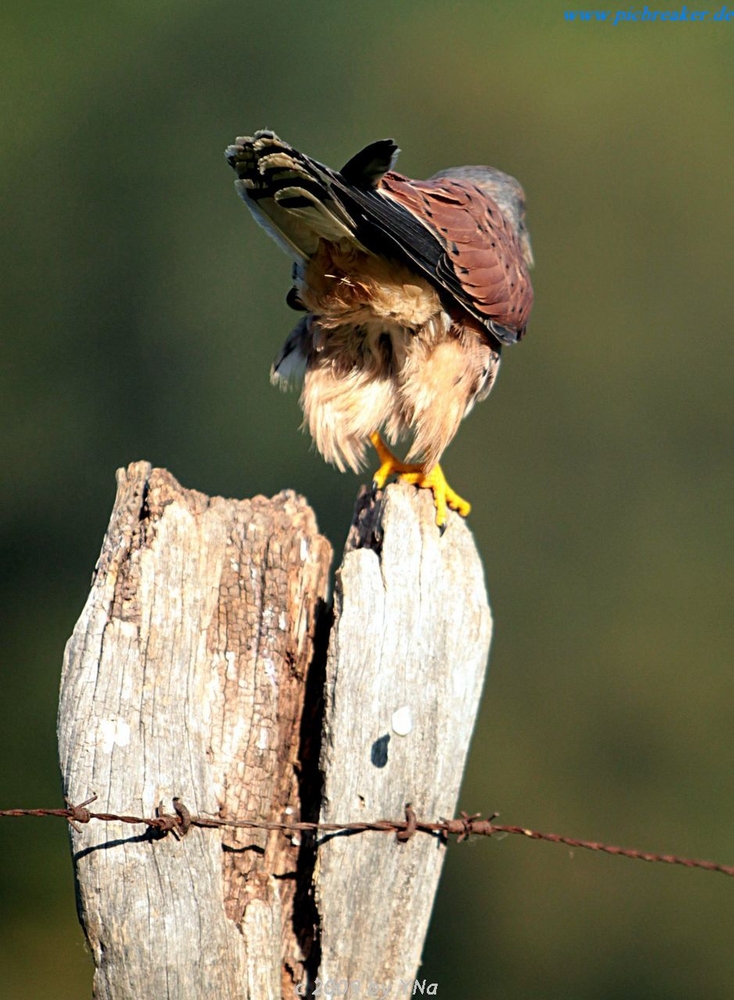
[(409, 289)]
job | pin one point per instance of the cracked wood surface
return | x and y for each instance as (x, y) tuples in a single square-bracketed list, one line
[(197, 670), (405, 667), (185, 676)]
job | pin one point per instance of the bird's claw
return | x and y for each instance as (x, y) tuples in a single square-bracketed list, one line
[(416, 475)]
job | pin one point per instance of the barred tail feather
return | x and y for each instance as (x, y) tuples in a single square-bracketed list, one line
[(289, 194)]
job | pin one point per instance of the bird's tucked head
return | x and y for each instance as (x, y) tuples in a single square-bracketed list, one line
[(503, 189)]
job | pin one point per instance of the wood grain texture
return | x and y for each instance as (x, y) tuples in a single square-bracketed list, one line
[(405, 667), (185, 676), (198, 669)]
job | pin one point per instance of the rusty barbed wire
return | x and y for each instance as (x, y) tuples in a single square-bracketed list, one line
[(462, 827)]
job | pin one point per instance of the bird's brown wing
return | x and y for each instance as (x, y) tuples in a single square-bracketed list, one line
[(453, 232), (482, 263)]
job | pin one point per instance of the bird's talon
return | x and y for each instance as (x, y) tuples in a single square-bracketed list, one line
[(416, 475), (457, 503), (381, 476)]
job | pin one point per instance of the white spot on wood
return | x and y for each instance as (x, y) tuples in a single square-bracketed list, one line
[(402, 721), (113, 732)]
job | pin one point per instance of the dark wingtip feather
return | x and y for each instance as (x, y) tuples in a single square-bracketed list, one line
[(505, 334), (368, 165)]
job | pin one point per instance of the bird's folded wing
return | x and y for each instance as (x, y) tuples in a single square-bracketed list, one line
[(457, 236)]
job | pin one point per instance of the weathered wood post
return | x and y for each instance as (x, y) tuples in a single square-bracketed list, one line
[(199, 669)]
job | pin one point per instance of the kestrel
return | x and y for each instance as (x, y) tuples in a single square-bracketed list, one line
[(409, 289)]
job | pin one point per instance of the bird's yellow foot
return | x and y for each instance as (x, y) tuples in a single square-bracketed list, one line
[(391, 465), (417, 475)]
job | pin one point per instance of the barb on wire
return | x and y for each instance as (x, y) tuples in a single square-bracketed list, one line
[(462, 827)]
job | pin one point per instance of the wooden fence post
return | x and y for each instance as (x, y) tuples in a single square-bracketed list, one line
[(198, 670), (406, 663)]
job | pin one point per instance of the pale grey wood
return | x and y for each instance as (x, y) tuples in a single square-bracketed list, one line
[(406, 662), (185, 676)]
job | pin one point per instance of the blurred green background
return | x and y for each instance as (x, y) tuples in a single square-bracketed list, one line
[(141, 308)]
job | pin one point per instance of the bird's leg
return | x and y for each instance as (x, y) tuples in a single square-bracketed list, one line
[(391, 465), (417, 474)]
